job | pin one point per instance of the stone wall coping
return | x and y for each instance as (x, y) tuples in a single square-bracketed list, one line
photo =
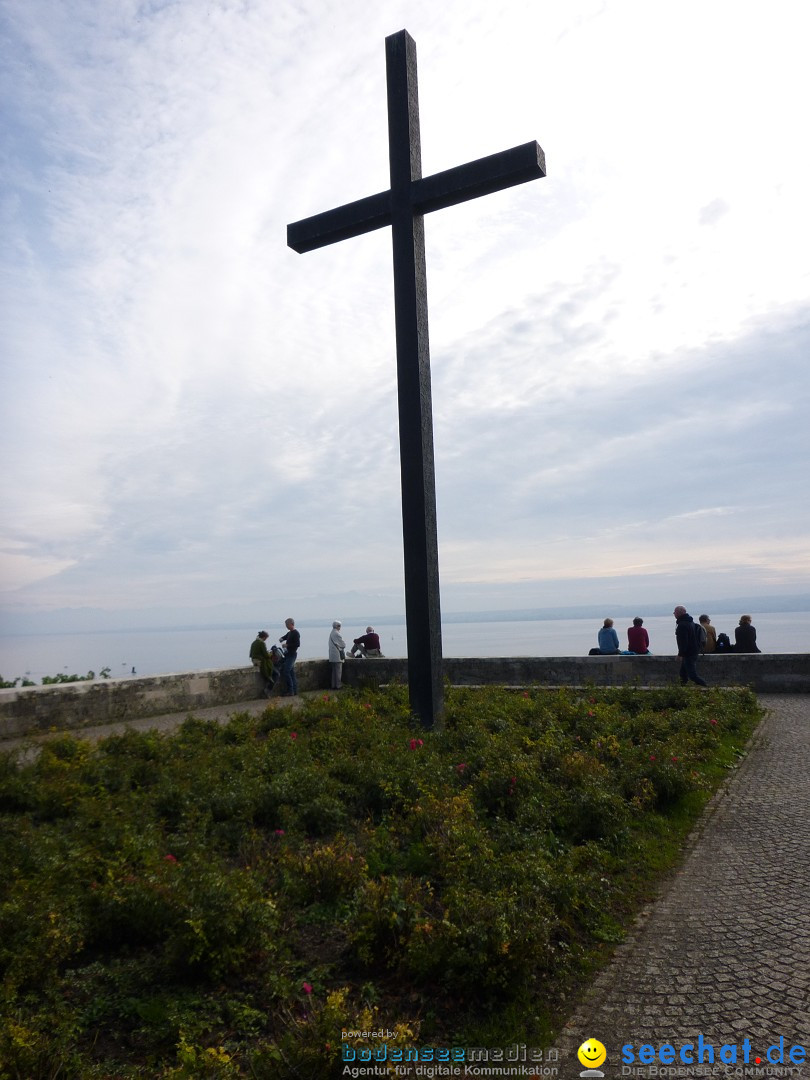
[(34, 709)]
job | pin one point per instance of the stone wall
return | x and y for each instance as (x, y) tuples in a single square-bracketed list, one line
[(771, 673), (107, 701), (76, 705)]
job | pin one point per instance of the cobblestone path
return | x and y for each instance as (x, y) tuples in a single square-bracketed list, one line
[(725, 952)]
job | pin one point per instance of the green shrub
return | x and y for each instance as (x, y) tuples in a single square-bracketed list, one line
[(221, 902)]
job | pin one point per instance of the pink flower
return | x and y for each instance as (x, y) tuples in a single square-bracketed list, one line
[(674, 759), (293, 734), (169, 858), (525, 693), (307, 988), (712, 721), (461, 767), (652, 757), (415, 743), (590, 712), (279, 832)]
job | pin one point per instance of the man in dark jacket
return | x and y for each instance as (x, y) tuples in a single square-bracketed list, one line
[(688, 647), (292, 640)]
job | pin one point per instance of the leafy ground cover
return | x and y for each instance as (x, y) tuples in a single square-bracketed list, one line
[(227, 900)]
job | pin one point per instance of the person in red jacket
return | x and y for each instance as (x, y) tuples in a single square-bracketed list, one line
[(638, 640)]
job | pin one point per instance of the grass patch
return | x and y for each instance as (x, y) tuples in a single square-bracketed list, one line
[(226, 900)]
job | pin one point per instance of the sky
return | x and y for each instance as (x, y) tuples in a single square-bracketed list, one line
[(199, 424)]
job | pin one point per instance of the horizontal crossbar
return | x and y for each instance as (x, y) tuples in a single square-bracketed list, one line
[(493, 173), (465, 182), (353, 219)]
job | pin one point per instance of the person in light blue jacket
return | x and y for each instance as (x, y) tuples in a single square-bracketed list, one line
[(608, 639)]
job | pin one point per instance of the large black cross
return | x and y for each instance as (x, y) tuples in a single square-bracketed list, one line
[(403, 208)]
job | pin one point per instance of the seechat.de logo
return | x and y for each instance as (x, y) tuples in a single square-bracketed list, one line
[(591, 1054)]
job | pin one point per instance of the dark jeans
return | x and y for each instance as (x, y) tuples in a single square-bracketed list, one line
[(288, 671), (689, 671)]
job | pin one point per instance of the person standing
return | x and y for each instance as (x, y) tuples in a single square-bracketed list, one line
[(337, 654), (745, 636), (688, 648), (638, 640), (292, 641), (711, 634), (263, 662), (608, 639)]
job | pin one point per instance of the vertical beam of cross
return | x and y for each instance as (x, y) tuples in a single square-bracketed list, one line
[(403, 208), (419, 534)]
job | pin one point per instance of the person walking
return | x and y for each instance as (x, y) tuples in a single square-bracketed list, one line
[(337, 654), (292, 641), (688, 648)]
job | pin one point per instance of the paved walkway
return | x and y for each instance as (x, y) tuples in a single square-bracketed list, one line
[(725, 951)]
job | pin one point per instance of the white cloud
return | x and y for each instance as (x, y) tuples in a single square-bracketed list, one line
[(194, 415)]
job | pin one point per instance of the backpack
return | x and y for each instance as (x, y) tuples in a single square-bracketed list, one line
[(700, 634), (723, 643)]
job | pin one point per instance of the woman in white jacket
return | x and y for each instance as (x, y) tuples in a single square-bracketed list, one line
[(337, 654)]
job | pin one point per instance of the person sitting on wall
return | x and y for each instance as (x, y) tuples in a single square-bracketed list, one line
[(638, 640), (608, 639), (710, 645), (745, 636), (367, 645)]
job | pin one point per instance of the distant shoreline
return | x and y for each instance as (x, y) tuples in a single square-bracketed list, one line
[(734, 606), (158, 650)]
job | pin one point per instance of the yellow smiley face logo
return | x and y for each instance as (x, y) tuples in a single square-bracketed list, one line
[(591, 1054)]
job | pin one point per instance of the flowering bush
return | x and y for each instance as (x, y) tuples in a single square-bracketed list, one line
[(225, 901)]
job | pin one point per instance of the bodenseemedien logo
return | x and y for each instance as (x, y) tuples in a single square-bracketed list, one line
[(592, 1054)]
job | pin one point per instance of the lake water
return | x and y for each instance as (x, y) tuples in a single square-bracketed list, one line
[(162, 652)]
